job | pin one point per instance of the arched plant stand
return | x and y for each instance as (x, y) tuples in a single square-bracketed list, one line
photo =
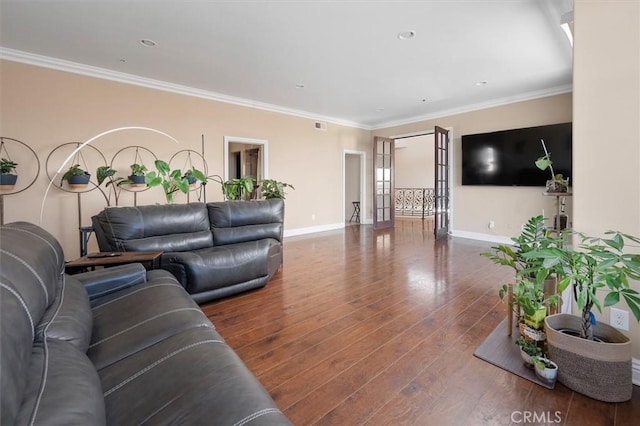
[(21, 153), (97, 159), (187, 159), (142, 156)]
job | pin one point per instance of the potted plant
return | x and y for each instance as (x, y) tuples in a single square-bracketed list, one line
[(594, 358), (171, 181), (76, 177), (238, 189), (528, 349), (7, 176), (193, 175), (272, 188), (557, 183), (546, 370), (136, 177), (534, 288)]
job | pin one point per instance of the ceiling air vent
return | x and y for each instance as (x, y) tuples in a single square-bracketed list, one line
[(320, 125)]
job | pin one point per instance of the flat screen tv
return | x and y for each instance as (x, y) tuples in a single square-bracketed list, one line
[(507, 157)]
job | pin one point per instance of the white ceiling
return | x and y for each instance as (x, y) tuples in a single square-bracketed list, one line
[(346, 53)]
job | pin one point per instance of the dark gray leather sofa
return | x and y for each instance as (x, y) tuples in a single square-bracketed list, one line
[(115, 346), (214, 250)]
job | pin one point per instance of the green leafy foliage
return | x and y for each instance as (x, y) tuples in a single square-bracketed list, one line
[(530, 272), (171, 181), (138, 169), (238, 189), (529, 346), (272, 188), (595, 264), (7, 166), (74, 170)]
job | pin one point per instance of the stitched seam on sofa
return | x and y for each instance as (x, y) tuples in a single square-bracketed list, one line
[(256, 415), (143, 322), (59, 307), (134, 292), (156, 363), (40, 237), (44, 288), (45, 342), (24, 306), (117, 241), (114, 289)]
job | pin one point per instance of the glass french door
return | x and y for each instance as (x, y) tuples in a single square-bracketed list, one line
[(383, 201), (441, 145)]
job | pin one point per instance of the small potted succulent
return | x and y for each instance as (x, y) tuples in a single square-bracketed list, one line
[(557, 184), (7, 176), (546, 370), (528, 350), (76, 177), (136, 177)]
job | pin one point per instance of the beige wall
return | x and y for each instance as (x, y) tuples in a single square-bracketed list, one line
[(508, 207), (45, 108), (606, 128), (414, 162)]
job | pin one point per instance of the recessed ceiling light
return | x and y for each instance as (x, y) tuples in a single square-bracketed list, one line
[(379, 109), (299, 86), (480, 83), (123, 60), (405, 35), (423, 100), (147, 42)]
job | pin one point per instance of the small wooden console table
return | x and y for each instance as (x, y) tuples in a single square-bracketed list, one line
[(150, 259)]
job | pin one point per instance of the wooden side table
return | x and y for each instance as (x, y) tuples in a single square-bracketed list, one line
[(150, 259)]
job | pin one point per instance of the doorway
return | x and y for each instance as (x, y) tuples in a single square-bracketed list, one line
[(245, 157), (422, 176), (353, 177)]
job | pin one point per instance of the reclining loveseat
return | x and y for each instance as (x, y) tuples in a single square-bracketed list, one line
[(214, 250), (117, 346)]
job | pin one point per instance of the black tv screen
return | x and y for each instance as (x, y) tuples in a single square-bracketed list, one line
[(507, 157)]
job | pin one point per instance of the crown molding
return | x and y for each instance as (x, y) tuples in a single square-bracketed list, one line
[(121, 77), (528, 96)]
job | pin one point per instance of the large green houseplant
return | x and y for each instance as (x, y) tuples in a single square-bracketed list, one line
[(171, 181), (593, 357), (528, 290), (596, 264), (272, 188)]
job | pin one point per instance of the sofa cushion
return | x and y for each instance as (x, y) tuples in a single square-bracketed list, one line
[(63, 388), (140, 316), (222, 266), (239, 221), (171, 227), (16, 338), (33, 260), (69, 317), (196, 379)]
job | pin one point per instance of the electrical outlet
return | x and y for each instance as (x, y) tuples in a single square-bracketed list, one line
[(619, 319), (492, 224)]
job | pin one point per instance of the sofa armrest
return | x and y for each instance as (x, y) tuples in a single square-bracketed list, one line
[(101, 282)]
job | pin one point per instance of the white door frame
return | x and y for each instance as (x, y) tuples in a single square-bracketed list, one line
[(248, 141), (363, 183)]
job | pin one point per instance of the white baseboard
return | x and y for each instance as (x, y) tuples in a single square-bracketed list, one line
[(635, 369), (313, 229), (498, 239)]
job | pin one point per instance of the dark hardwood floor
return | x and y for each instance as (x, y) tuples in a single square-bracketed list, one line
[(379, 327)]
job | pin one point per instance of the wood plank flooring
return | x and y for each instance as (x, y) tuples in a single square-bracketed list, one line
[(379, 327)]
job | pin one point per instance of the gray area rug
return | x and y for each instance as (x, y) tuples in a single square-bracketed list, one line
[(501, 350)]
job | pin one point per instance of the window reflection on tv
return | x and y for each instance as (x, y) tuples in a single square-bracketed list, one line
[(507, 157)]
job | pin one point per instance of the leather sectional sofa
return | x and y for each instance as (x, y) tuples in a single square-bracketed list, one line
[(214, 250), (114, 346)]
